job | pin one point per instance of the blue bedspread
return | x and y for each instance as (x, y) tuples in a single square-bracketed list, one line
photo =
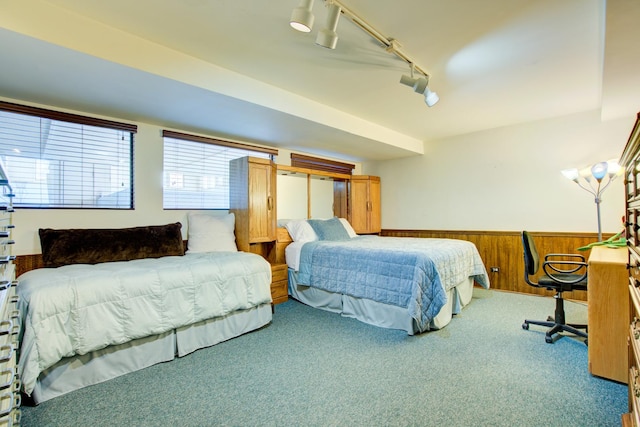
[(412, 273)]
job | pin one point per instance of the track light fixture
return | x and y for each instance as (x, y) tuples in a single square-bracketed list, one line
[(302, 20), (420, 85), (430, 98), (327, 37)]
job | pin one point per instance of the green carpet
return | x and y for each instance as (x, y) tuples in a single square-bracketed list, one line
[(314, 368)]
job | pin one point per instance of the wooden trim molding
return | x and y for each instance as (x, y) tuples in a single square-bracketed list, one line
[(222, 142), (317, 163), (66, 117)]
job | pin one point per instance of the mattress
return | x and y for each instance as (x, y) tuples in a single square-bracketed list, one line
[(77, 309)]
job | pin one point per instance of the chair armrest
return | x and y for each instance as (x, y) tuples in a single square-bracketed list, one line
[(576, 256), (554, 271)]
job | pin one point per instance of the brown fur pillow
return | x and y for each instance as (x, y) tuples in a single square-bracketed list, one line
[(93, 246)]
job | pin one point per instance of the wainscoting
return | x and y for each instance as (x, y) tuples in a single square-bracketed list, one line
[(498, 249), (503, 250), (24, 263)]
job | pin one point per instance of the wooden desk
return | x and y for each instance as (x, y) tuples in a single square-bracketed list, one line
[(608, 311)]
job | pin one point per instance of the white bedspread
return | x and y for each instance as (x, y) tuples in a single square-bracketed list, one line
[(76, 309)]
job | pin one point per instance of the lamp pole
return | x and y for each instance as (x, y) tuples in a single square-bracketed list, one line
[(598, 209)]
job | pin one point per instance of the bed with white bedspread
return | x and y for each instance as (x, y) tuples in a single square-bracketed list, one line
[(86, 323), (413, 284)]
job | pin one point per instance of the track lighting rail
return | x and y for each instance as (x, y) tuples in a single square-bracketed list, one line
[(302, 20)]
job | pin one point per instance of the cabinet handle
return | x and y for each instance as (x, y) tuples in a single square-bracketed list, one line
[(269, 203), (635, 385), (636, 330), (5, 327), (6, 351), (10, 374), (7, 259), (14, 402)]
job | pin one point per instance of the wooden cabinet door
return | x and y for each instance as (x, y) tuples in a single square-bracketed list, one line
[(375, 223), (357, 209), (252, 196), (365, 204), (262, 209)]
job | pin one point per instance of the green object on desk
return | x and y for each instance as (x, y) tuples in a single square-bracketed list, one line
[(612, 242)]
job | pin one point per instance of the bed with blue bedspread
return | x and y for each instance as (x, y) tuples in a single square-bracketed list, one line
[(415, 284)]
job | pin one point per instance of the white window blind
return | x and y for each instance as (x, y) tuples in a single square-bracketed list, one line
[(196, 170), (55, 163)]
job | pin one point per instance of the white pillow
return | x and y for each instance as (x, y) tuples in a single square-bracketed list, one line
[(209, 233), (300, 231), (350, 231)]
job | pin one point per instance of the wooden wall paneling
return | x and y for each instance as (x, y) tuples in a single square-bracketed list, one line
[(24, 263), (503, 250)]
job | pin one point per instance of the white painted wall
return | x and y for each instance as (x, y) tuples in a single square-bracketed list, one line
[(148, 201), (148, 198), (506, 179), (502, 179)]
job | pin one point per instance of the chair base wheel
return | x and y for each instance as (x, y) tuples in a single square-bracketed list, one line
[(525, 326), (548, 340)]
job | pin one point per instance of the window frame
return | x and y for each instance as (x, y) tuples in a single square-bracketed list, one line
[(43, 113), (180, 136)]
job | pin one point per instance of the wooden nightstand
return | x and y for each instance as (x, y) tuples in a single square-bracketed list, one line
[(279, 283)]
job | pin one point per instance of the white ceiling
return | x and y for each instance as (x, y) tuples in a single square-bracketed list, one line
[(235, 69)]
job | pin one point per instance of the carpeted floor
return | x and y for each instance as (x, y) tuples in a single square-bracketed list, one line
[(313, 368)]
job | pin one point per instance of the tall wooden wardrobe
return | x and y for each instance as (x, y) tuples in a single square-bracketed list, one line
[(364, 204), (253, 202)]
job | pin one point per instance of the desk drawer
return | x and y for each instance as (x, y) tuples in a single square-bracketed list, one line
[(279, 283)]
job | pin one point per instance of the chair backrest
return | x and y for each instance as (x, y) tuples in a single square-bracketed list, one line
[(531, 258)]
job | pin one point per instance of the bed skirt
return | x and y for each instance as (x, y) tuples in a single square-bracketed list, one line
[(377, 313), (73, 373)]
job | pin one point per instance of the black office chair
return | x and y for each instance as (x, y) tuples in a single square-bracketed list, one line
[(562, 275)]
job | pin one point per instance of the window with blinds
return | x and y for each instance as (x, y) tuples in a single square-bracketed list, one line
[(196, 170), (60, 160)]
